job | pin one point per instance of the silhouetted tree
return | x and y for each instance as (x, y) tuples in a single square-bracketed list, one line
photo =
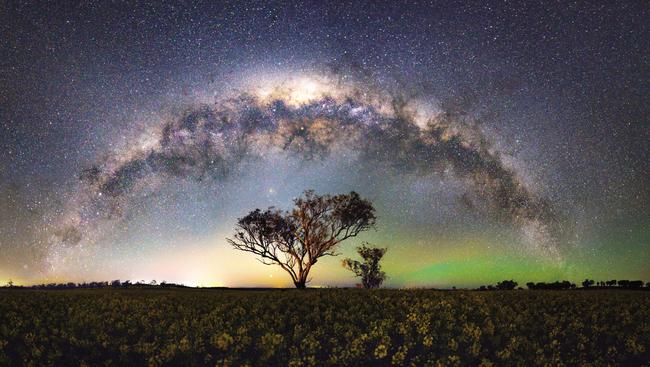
[(587, 283), (630, 283), (636, 284), (611, 283), (369, 270), (507, 285), (296, 239), (10, 283), (565, 284)]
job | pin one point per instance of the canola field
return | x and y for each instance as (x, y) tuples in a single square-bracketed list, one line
[(323, 327)]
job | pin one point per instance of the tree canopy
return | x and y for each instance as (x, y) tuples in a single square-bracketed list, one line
[(369, 270), (296, 239)]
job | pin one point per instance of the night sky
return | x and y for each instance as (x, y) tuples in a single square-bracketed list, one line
[(496, 141)]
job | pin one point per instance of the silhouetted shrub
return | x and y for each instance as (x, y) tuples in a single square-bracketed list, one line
[(507, 285)]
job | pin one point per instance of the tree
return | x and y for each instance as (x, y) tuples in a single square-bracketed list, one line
[(632, 284), (565, 284), (507, 285), (587, 283), (369, 270), (10, 283), (636, 284), (296, 239)]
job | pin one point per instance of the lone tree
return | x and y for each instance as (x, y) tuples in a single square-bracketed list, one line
[(369, 270), (296, 239), (507, 285)]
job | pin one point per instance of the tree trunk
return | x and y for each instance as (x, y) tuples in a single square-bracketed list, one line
[(301, 280)]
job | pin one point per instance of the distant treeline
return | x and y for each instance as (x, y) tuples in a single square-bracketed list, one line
[(565, 284), (111, 284), (503, 285)]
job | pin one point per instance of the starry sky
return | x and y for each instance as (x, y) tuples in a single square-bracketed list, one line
[(496, 141)]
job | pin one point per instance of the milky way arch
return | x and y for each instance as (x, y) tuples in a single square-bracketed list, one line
[(309, 119)]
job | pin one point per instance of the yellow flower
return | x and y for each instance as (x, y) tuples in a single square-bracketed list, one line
[(428, 341), (223, 341), (381, 351)]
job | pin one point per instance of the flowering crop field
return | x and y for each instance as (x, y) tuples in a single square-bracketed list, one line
[(316, 327)]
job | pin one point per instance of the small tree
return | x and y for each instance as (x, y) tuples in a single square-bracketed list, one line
[(587, 283), (295, 240), (507, 285), (369, 270), (636, 284)]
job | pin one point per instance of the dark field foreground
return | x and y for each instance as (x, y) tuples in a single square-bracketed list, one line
[(324, 327)]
